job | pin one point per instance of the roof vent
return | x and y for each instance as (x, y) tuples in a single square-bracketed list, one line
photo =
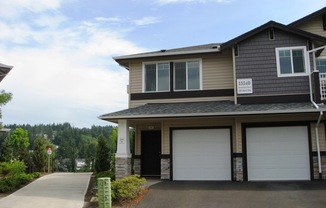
[(215, 46), (163, 50)]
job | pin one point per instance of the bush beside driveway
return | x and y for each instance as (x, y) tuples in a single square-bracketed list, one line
[(235, 194)]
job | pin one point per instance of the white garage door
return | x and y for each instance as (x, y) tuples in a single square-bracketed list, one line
[(278, 153), (201, 154)]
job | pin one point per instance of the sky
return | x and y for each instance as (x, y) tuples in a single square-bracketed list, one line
[(62, 50)]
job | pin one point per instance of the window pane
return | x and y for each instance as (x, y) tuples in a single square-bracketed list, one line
[(150, 77), (321, 65), (193, 75), (285, 62), (298, 61), (163, 77), (180, 75)]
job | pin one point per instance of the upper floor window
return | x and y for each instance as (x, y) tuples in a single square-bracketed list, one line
[(321, 64), (187, 75), (291, 61), (157, 77)]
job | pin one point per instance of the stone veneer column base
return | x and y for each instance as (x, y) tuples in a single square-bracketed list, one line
[(237, 169), (137, 164), (122, 167), (165, 168), (316, 169)]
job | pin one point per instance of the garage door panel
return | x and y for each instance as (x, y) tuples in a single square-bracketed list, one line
[(278, 153), (201, 154)]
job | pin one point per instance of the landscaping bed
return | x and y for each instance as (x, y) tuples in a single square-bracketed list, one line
[(129, 199)]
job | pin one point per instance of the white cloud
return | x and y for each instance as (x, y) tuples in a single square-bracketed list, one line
[(165, 2), (147, 21), (46, 20), (14, 8), (109, 19), (63, 71)]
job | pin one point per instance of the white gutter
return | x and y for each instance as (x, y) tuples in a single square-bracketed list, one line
[(317, 107)]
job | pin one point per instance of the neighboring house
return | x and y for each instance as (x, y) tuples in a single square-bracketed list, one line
[(80, 163), (244, 110), (4, 70)]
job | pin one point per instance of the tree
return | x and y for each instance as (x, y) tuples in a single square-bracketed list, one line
[(20, 140), (102, 162), (39, 153), (7, 151), (4, 99)]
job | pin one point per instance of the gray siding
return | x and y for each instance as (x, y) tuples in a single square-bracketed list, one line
[(257, 60)]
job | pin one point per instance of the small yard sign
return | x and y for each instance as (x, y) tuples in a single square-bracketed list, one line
[(244, 86)]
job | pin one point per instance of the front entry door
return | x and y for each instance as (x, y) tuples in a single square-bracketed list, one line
[(150, 153)]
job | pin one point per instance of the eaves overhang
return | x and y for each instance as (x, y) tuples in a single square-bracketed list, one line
[(275, 25), (308, 17), (185, 110), (4, 70), (200, 49)]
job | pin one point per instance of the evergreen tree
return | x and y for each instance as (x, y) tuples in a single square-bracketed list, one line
[(7, 151), (102, 162), (40, 153)]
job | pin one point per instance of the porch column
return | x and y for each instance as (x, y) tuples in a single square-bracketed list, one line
[(123, 156)]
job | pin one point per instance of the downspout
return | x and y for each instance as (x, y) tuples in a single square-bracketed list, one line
[(317, 107)]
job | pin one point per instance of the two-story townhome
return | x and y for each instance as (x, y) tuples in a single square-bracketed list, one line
[(249, 109)]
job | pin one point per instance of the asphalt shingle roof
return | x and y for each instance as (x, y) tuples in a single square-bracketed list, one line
[(213, 108)]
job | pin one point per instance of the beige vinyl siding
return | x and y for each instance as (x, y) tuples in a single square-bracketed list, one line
[(217, 73), (321, 134), (135, 103), (315, 26), (135, 77)]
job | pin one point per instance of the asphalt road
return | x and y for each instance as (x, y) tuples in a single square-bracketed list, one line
[(57, 190), (188, 194)]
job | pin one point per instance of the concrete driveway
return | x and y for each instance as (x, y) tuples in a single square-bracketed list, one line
[(66, 190), (170, 194)]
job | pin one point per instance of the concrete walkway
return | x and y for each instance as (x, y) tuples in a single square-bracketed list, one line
[(51, 191)]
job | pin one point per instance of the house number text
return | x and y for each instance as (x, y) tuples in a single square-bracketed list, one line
[(244, 86)]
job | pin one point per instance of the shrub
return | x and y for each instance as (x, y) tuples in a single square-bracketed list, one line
[(127, 188), (4, 168), (12, 168), (17, 167), (105, 174), (22, 178), (36, 174)]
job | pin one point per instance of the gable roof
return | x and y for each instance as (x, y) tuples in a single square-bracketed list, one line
[(206, 48), (217, 47), (273, 24), (209, 108), (4, 70), (308, 17)]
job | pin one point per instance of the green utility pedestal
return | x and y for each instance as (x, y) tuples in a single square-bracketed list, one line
[(104, 192)]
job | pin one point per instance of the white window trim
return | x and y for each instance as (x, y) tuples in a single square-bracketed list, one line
[(292, 74), (169, 61), (200, 75), (144, 81)]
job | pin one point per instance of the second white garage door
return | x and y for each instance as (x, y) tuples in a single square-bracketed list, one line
[(201, 154), (278, 153)]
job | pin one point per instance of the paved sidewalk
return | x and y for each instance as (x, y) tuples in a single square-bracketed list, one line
[(66, 190)]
